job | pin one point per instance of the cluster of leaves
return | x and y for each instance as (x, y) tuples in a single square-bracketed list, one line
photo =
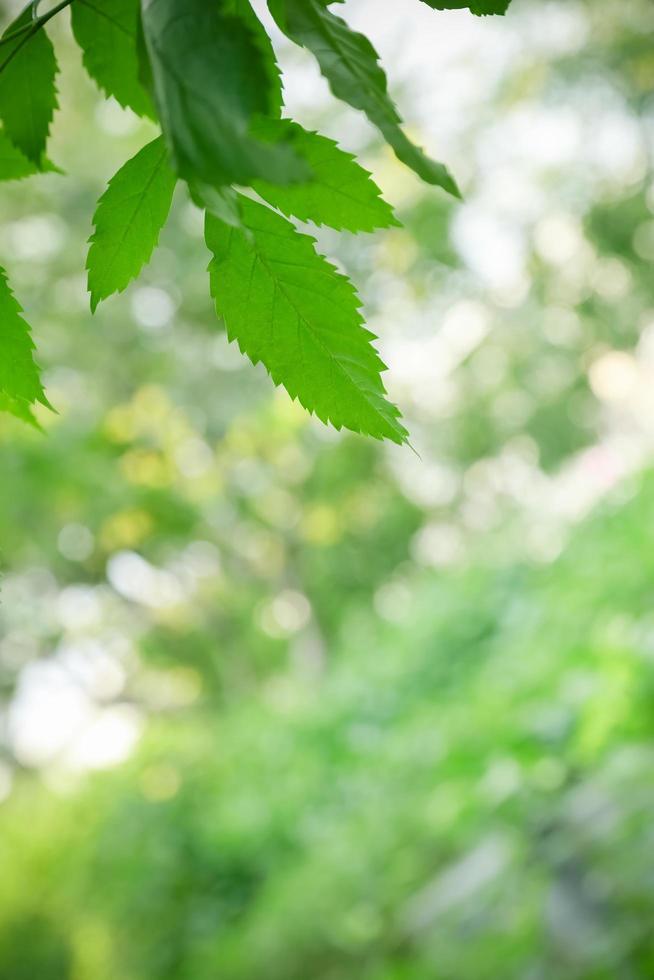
[(206, 72), (444, 772)]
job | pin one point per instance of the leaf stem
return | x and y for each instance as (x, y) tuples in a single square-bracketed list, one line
[(29, 30)]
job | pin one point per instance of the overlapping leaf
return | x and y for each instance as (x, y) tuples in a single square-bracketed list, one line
[(211, 80), (128, 220), (351, 66), (341, 193), (20, 383), (28, 96), (106, 31), (287, 307)]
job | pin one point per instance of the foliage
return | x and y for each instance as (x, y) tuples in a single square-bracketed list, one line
[(128, 220), (208, 74), (20, 384), (394, 714), (320, 346)]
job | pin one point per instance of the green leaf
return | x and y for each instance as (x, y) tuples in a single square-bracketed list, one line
[(341, 194), (144, 68), (20, 382), (479, 7), (28, 96), (20, 409), (351, 66), (238, 8), (14, 165), (130, 214), (106, 31), (210, 82), (287, 307)]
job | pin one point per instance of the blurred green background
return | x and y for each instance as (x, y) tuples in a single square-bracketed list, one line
[(278, 703)]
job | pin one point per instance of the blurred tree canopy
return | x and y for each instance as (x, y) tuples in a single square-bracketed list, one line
[(355, 713)]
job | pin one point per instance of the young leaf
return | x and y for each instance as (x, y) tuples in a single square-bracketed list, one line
[(106, 31), (130, 214), (19, 375), (288, 308), (351, 66), (210, 81), (479, 7), (28, 96), (14, 165), (341, 194)]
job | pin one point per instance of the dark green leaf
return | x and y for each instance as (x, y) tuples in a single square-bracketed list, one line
[(14, 165), (341, 194), (479, 7), (211, 81), (106, 31), (144, 68), (28, 96), (239, 8), (128, 220), (19, 375), (351, 66), (287, 307)]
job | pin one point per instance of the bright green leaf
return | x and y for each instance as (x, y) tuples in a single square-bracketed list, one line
[(351, 66), (287, 307), (210, 82), (28, 96), (341, 194), (130, 215), (106, 31), (20, 409), (20, 382)]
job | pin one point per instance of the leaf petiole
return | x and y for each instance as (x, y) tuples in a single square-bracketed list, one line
[(29, 30)]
